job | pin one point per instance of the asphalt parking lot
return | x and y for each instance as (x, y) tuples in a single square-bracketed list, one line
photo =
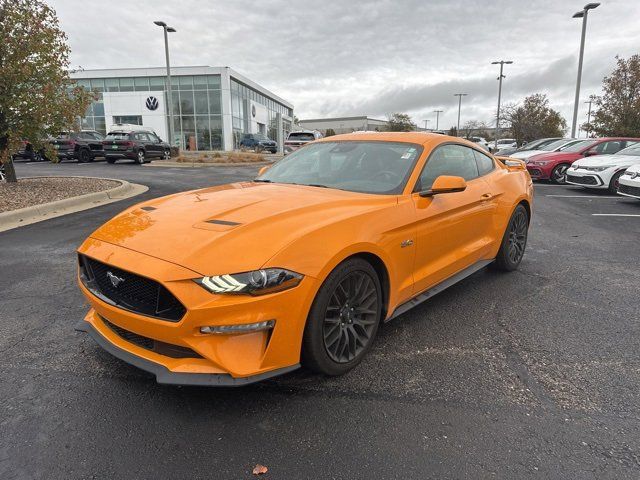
[(533, 374)]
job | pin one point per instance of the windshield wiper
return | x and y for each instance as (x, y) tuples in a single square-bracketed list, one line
[(262, 180), (315, 185)]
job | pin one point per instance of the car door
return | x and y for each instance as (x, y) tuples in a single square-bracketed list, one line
[(155, 144), (453, 229), (149, 148)]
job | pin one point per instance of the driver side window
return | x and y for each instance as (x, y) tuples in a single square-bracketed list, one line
[(455, 160)]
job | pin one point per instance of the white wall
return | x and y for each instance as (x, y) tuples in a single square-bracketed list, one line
[(134, 103)]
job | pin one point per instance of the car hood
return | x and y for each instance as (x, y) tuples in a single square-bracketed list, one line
[(600, 160), (232, 228), (556, 156), (526, 154)]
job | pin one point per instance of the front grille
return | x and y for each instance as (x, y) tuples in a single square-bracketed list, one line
[(130, 291), (629, 190), (162, 348), (534, 172), (582, 180)]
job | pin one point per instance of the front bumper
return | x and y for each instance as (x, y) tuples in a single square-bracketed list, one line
[(539, 172), (217, 359), (586, 178), (629, 188)]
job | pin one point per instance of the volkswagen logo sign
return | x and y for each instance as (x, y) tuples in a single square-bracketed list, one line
[(253, 110), (634, 174), (152, 103)]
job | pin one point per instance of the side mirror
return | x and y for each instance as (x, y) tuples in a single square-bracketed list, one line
[(445, 184), (589, 153), (263, 169)]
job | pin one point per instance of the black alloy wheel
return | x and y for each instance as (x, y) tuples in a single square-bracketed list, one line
[(559, 174), (514, 241), (614, 184), (344, 318), (84, 156), (140, 157)]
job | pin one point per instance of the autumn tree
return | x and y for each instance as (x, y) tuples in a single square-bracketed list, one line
[(534, 118), (37, 98), (617, 111), (400, 122), (330, 132)]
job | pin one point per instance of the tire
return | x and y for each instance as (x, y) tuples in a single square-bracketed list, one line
[(111, 160), (84, 156), (166, 155), (615, 182), (140, 157), (514, 241), (344, 319), (559, 174)]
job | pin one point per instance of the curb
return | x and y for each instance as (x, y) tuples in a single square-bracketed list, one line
[(204, 165), (45, 211)]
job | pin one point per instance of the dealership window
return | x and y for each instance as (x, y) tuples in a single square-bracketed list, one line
[(201, 102), (185, 83), (214, 101), (200, 82), (128, 119), (112, 85), (214, 82), (156, 84), (141, 84)]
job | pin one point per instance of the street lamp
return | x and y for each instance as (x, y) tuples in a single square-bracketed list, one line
[(426, 124), (166, 30), (581, 14), (502, 63), (437, 112), (588, 129), (459, 95)]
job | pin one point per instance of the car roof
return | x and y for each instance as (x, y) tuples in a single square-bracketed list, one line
[(419, 138)]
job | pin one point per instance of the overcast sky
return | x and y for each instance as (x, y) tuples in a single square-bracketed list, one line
[(368, 57)]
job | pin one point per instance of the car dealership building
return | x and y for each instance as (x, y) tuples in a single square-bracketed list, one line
[(212, 106)]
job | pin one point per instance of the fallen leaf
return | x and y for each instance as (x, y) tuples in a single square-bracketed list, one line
[(260, 469)]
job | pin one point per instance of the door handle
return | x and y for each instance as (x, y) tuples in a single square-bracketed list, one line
[(486, 196)]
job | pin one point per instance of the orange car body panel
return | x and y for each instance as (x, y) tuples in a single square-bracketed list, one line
[(305, 229)]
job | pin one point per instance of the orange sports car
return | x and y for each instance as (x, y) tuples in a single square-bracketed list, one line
[(238, 283)]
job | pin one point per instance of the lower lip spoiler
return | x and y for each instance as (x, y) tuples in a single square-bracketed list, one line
[(167, 377)]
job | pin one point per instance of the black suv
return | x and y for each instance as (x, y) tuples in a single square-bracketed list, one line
[(258, 142), (82, 146), (137, 145)]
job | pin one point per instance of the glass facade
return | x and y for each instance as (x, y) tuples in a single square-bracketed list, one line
[(197, 108), (241, 92), (197, 112)]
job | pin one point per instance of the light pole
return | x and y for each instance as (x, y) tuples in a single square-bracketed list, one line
[(459, 95), (437, 112), (589, 116), (581, 14), (166, 30), (426, 124), (502, 63)]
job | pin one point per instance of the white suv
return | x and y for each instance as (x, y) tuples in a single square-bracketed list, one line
[(603, 171), (630, 182)]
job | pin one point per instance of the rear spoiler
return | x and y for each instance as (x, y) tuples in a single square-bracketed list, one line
[(513, 163)]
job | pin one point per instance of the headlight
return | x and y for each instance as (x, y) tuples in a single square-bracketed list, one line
[(257, 282), (600, 169), (540, 163)]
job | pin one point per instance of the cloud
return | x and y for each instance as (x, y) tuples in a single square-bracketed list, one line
[(371, 57)]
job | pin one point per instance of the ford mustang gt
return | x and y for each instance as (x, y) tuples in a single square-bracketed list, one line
[(233, 284)]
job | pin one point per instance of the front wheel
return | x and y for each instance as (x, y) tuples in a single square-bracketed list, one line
[(344, 319), (111, 160), (514, 241), (84, 156), (614, 184), (140, 157), (559, 174), (166, 155)]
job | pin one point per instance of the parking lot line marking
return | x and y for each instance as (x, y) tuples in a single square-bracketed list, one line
[(582, 196), (615, 215)]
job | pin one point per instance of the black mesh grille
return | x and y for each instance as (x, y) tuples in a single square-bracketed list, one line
[(166, 349), (582, 180), (629, 190), (130, 291)]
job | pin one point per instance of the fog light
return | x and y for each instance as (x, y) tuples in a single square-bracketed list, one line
[(242, 328)]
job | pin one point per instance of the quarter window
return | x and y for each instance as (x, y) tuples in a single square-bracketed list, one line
[(485, 163), (455, 160)]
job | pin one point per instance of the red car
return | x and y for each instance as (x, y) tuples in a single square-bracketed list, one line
[(553, 165)]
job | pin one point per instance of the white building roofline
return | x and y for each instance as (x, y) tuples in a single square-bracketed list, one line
[(175, 71)]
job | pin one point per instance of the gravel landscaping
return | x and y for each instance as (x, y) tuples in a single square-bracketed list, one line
[(35, 191)]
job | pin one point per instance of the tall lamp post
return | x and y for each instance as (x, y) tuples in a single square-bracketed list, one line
[(459, 95), (589, 116), (437, 112), (581, 14), (167, 30), (426, 124), (502, 63)]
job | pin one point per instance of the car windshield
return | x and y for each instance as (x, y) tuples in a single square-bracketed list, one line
[(117, 136), (301, 136), (634, 150), (550, 147), (536, 144), (576, 147), (260, 137), (356, 166), (506, 141)]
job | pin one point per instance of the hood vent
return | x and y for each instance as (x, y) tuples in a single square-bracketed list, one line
[(223, 222)]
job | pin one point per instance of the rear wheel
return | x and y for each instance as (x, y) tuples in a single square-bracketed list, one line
[(111, 160), (514, 241), (84, 156), (614, 184), (140, 157), (344, 319), (559, 174)]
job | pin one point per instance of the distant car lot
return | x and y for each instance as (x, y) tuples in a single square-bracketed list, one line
[(531, 375)]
